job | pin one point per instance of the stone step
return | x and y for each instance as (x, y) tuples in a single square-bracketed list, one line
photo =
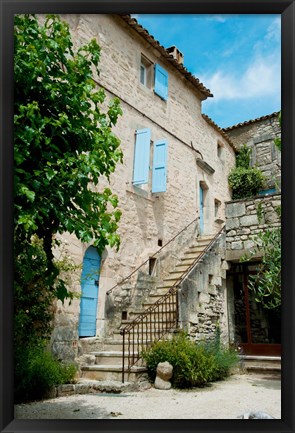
[(108, 357), (111, 372), (263, 364)]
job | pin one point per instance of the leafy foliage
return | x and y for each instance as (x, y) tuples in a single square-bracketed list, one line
[(63, 147), (245, 182), (194, 364), (266, 284), (37, 371), (63, 142)]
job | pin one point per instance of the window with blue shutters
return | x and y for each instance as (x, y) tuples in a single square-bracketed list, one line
[(141, 157), (161, 82), (159, 166)]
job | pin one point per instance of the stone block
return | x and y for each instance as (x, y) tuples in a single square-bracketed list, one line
[(237, 245), (204, 298), (63, 390), (233, 210), (232, 223), (249, 220)]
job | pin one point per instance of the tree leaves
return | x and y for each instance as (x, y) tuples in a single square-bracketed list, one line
[(63, 142)]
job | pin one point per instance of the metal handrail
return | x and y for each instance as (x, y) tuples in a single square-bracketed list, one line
[(133, 357), (144, 263)]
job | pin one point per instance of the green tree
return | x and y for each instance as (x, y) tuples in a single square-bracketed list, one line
[(266, 284), (63, 147), (63, 141)]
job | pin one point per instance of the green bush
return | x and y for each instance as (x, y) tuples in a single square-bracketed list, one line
[(37, 371), (245, 182), (194, 364)]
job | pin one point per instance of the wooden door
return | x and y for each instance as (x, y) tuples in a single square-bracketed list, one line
[(89, 288)]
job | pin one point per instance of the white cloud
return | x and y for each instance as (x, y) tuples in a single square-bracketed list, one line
[(261, 79), (216, 18)]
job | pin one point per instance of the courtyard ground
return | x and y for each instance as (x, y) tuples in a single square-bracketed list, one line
[(227, 399)]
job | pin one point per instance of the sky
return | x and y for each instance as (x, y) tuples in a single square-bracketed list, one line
[(237, 57)]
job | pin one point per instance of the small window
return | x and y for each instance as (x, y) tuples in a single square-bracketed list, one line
[(219, 150), (160, 243), (210, 279), (152, 265), (217, 205), (146, 72)]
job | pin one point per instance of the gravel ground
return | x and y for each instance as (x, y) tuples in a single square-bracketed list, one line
[(222, 400)]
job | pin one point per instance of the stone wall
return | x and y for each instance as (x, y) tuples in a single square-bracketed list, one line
[(246, 218), (146, 218), (259, 135), (203, 296)]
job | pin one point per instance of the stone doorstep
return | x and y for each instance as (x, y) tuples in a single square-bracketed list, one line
[(111, 372), (87, 386)]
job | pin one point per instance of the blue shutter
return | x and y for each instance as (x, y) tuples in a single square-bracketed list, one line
[(142, 157), (159, 166), (161, 82)]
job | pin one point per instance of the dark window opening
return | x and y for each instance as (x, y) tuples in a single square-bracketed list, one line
[(160, 243), (124, 315), (152, 264)]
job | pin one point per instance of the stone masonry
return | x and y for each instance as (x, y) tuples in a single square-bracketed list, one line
[(247, 218), (198, 153), (259, 135)]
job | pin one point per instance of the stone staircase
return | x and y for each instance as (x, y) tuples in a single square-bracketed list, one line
[(270, 365), (107, 362)]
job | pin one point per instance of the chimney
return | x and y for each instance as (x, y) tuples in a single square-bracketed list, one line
[(178, 56)]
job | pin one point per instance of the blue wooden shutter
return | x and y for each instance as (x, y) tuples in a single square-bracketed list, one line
[(142, 157), (159, 166), (161, 82)]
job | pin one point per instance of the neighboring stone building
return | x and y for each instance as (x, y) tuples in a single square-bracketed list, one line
[(172, 188), (259, 135)]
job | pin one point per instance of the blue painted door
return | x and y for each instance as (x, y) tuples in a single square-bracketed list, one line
[(201, 210), (89, 288)]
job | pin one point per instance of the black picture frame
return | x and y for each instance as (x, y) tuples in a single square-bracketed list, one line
[(287, 10)]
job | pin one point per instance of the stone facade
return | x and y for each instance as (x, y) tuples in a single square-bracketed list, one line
[(259, 135), (203, 296), (247, 218), (147, 218), (200, 154)]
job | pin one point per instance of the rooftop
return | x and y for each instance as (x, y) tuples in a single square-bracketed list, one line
[(166, 53), (249, 122)]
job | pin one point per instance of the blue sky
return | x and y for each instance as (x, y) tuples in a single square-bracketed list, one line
[(238, 57)]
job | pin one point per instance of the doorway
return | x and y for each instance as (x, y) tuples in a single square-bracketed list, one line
[(257, 330), (89, 289)]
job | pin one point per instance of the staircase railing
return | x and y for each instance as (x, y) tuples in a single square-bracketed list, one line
[(156, 321), (155, 255)]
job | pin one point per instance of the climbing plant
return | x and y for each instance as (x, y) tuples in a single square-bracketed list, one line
[(244, 180), (266, 284)]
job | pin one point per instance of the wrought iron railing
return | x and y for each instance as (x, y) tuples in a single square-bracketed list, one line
[(157, 320), (188, 232)]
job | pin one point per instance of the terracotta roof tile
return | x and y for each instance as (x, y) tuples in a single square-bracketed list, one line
[(249, 122), (218, 129), (132, 22)]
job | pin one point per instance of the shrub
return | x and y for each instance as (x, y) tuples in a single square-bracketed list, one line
[(37, 371), (245, 182), (194, 364)]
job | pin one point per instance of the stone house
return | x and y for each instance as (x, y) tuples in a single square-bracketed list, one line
[(174, 196)]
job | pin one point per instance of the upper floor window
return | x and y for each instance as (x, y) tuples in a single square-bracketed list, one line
[(141, 168), (146, 72), (219, 150), (156, 77)]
